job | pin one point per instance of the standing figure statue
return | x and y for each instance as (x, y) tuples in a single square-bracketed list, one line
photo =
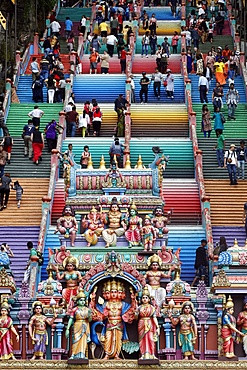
[(229, 330), (148, 327), (115, 221), (95, 226), (134, 224), (80, 316), (37, 330), (115, 312), (148, 234), (6, 328), (67, 225), (72, 277), (153, 277), (188, 329), (160, 220), (242, 324)]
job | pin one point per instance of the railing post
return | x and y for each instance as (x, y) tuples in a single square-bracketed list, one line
[(36, 44)]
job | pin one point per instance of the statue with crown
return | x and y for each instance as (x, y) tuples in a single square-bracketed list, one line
[(112, 312)]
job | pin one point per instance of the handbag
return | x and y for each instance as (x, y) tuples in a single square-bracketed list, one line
[(223, 120), (165, 83)]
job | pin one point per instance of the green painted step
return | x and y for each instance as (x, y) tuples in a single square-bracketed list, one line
[(181, 163), (209, 159), (75, 14), (18, 115), (218, 40), (22, 167), (233, 129)]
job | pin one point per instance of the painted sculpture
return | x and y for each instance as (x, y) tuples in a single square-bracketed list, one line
[(114, 312), (133, 224), (187, 331), (72, 277), (160, 221), (229, 330), (67, 225), (153, 277), (37, 330), (148, 327), (149, 235), (6, 329), (242, 325), (115, 222), (80, 316), (94, 225)]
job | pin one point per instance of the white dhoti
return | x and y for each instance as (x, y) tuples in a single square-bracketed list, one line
[(159, 294), (111, 239)]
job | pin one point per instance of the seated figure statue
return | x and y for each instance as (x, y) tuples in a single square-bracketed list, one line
[(115, 222), (67, 225), (94, 224)]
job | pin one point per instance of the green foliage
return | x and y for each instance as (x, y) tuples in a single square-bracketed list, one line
[(130, 347)]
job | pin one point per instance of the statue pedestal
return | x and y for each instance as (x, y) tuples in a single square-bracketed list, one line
[(146, 253), (151, 361), (78, 361), (223, 358)]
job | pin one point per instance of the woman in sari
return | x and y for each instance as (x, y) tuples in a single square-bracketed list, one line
[(6, 327), (148, 327), (80, 317), (134, 224)]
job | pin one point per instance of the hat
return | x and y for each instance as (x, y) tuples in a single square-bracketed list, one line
[(168, 70), (219, 47), (143, 73), (233, 145)]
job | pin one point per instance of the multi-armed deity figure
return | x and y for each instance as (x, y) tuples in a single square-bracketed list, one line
[(94, 225), (133, 224), (67, 225), (229, 330), (148, 327), (37, 330), (115, 222), (6, 328), (114, 312), (80, 316), (188, 329), (153, 277)]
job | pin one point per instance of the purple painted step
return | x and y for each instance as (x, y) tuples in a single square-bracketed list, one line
[(230, 233), (17, 238)]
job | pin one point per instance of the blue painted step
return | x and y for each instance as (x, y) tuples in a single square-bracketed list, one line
[(189, 239), (161, 13), (52, 241), (238, 83)]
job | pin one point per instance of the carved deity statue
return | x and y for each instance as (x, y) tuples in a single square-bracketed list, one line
[(133, 224), (153, 277), (149, 235), (229, 330), (67, 225), (80, 316), (148, 327), (115, 222), (160, 220), (187, 331), (115, 312), (94, 224), (6, 329), (242, 324), (37, 330)]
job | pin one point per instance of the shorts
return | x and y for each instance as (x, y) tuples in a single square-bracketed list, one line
[(7, 149), (201, 271)]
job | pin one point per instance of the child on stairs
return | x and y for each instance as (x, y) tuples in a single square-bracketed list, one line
[(19, 191)]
